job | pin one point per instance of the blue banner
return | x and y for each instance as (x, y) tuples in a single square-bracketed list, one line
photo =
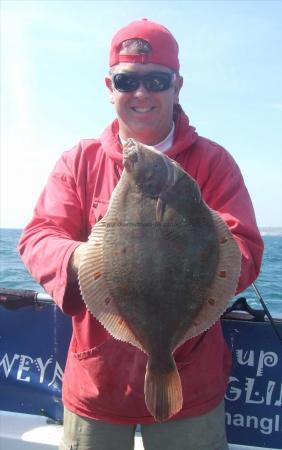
[(254, 395), (33, 347)]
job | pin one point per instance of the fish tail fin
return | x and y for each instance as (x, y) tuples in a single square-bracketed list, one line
[(163, 392)]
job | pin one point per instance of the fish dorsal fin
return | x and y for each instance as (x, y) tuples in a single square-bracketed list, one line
[(95, 292), (224, 284)]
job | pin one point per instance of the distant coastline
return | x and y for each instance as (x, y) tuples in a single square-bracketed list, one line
[(265, 231), (271, 231)]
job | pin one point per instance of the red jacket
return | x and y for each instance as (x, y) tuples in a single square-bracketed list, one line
[(104, 378)]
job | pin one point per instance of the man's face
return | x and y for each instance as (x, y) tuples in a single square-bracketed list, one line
[(144, 115)]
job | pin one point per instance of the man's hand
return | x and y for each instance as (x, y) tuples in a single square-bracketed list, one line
[(74, 262)]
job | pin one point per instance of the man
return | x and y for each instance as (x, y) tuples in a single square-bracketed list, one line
[(104, 378)]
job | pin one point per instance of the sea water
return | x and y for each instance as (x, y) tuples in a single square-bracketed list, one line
[(13, 273)]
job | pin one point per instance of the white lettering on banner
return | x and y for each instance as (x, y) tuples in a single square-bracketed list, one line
[(247, 391), (268, 359), (260, 386), (42, 367), (58, 373), (7, 365), (25, 369), (266, 425), (25, 362), (246, 357), (279, 401), (233, 393), (265, 359)]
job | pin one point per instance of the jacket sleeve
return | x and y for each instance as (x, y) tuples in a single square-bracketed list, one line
[(54, 232), (224, 191)]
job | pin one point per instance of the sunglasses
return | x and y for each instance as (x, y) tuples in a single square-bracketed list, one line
[(153, 81)]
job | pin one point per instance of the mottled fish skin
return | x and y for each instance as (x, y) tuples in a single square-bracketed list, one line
[(164, 267), (158, 272), (159, 268)]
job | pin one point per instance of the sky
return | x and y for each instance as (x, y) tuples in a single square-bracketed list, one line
[(54, 56)]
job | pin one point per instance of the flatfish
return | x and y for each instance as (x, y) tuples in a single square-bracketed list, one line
[(159, 268)]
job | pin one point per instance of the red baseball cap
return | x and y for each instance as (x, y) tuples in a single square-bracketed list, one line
[(164, 48)]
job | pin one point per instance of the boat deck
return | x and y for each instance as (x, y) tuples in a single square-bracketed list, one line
[(29, 432)]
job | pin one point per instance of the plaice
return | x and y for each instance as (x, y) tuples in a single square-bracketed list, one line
[(159, 269)]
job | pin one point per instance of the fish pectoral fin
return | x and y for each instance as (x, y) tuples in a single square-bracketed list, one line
[(119, 329), (95, 291), (163, 392), (224, 285)]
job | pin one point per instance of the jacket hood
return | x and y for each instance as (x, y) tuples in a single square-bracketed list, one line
[(184, 136)]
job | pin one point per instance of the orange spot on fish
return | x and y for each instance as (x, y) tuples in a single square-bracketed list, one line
[(97, 275), (211, 301), (222, 274)]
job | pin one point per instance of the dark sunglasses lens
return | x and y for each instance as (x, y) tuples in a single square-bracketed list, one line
[(153, 81), (158, 81), (124, 82)]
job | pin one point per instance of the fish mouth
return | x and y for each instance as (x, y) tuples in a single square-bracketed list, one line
[(130, 155)]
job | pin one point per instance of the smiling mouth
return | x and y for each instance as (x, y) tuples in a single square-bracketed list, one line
[(142, 110)]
